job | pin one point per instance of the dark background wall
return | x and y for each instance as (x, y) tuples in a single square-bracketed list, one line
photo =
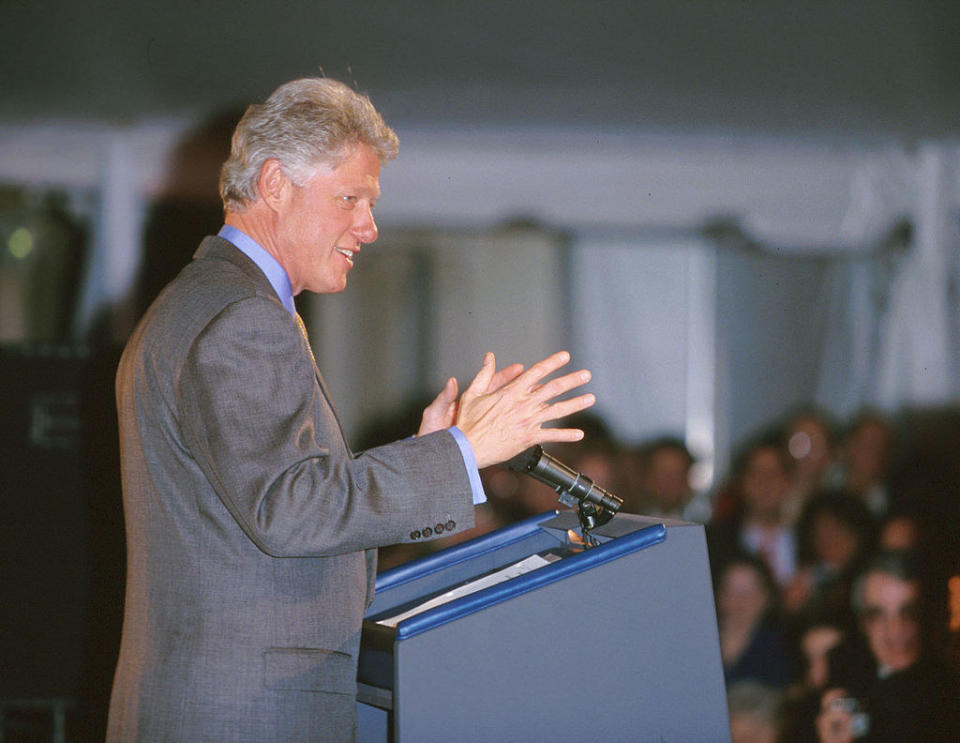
[(857, 67)]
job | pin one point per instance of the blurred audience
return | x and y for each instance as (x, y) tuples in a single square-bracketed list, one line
[(828, 629), (871, 615)]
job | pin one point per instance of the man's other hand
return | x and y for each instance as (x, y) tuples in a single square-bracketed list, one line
[(442, 412)]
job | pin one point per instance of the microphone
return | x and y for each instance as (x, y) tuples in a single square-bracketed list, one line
[(541, 466)]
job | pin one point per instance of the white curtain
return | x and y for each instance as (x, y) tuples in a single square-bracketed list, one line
[(894, 341)]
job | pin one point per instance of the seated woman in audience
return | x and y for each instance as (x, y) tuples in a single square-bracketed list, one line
[(751, 643)]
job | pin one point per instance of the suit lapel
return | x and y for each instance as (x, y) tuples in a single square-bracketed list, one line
[(215, 247)]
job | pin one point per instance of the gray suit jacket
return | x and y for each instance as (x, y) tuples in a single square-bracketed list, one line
[(248, 519)]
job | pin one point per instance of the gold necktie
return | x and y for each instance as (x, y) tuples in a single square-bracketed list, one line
[(303, 332), (323, 387)]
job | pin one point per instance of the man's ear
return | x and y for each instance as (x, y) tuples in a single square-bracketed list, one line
[(273, 183)]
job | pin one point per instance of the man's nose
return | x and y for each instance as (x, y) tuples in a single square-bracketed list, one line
[(898, 627), (365, 228)]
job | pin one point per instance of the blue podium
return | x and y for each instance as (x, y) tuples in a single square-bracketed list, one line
[(521, 635)]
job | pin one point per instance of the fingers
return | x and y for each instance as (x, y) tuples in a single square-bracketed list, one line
[(502, 413), (447, 396), (505, 376), (449, 392), (560, 385), (530, 379), (489, 380), (560, 435), (560, 410), (440, 413), (484, 377), (833, 723), (568, 407), (545, 367), (829, 697)]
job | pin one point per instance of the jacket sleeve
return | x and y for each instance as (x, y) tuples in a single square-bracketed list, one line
[(258, 423)]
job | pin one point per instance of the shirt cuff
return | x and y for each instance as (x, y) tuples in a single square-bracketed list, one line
[(470, 462)]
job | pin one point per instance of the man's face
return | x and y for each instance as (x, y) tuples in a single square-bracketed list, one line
[(835, 543), (668, 478), (321, 225), (765, 484), (742, 598), (890, 620)]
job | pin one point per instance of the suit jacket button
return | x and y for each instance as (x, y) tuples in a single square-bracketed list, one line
[(451, 525), (415, 534), (438, 528), (427, 533)]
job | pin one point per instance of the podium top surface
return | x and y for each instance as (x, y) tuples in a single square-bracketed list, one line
[(625, 541)]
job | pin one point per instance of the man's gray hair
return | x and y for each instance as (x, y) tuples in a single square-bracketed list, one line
[(305, 124)]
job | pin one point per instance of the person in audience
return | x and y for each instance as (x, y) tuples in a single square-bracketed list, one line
[(834, 533), (752, 646), (900, 530), (757, 524), (864, 462), (815, 641), (665, 481), (896, 690)]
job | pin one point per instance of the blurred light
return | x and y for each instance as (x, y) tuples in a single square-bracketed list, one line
[(800, 445), (954, 585), (701, 475), (20, 243)]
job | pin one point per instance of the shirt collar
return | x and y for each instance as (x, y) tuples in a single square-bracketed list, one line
[(265, 262)]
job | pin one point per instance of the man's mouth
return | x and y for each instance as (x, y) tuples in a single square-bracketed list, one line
[(349, 255)]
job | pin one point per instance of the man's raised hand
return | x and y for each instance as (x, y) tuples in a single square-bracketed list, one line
[(502, 420)]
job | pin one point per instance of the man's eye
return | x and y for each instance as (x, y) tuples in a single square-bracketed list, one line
[(349, 199), (910, 612)]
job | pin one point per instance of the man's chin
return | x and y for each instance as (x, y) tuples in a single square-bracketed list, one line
[(901, 662), (329, 287)]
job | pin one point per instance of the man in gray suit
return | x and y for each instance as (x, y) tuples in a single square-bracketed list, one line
[(251, 526)]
